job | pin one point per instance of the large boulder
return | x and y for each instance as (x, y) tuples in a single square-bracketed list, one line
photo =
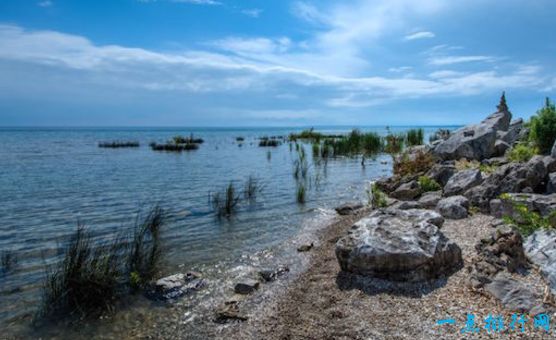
[(475, 141), (400, 245), (430, 199), (514, 295), (551, 185), (454, 207), (540, 248), (441, 173), (500, 148), (407, 191), (462, 181), (512, 135)]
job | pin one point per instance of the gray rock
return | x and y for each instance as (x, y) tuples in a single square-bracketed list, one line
[(500, 148), (495, 161), (305, 247), (441, 173), (542, 204), (229, 311), (406, 205), (551, 185), (499, 120), (550, 163), (269, 275), (429, 200), (462, 181), (454, 207), (175, 286), (540, 249), (471, 142), (349, 208), (400, 245), (407, 191), (512, 135), (553, 153), (513, 294), (246, 286)]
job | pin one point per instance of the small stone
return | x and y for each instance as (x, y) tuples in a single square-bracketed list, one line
[(229, 311), (246, 287), (305, 247), (269, 275)]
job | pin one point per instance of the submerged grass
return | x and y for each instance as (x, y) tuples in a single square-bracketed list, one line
[(300, 193), (225, 203), (252, 188), (118, 144), (92, 276), (8, 261)]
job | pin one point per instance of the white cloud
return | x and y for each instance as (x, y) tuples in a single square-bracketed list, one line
[(193, 2), (45, 3), (253, 12), (400, 69), (419, 35), (449, 60)]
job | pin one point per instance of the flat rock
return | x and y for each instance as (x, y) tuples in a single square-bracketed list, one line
[(453, 207), (399, 245), (462, 181), (540, 249), (513, 295), (229, 311), (175, 286), (429, 200), (405, 205), (348, 208), (500, 148), (407, 191), (441, 173), (542, 204)]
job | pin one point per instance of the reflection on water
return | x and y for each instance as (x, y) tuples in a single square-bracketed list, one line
[(53, 178)]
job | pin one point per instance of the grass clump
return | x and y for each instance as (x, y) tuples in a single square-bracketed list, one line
[(92, 276), (526, 221), (377, 198), (225, 203), (543, 127), (354, 143), (415, 137), (428, 184), (418, 163), (118, 144), (394, 143), (252, 188), (522, 152), (269, 142), (300, 193)]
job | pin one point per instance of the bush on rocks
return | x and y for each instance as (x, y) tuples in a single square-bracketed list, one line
[(543, 127), (522, 152), (419, 163), (428, 184)]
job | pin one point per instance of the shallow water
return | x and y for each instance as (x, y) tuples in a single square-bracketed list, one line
[(52, 179)]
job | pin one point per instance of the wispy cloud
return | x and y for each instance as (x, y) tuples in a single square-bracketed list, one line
[(193, 2), (419, 35), (45, 3), (449, 60), (252, 12)]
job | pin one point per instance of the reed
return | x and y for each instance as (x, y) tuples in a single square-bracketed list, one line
[(269, 142), (252, 188), (415, 137), (394, 143), (118, 144), (187, 140), (225, 203), (300, 193), (8, 261)]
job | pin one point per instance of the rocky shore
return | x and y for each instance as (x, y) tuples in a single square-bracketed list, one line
[(418, 265)]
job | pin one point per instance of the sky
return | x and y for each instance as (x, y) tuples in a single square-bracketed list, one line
[(272, 62)]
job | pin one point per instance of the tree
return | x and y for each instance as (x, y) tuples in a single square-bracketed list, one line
[(543, 127)]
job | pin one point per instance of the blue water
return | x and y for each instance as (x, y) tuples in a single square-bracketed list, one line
[(52, 179)]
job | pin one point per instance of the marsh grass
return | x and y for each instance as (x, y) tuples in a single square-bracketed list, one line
[(252, 189), (415, 137), (269, 143), (300, 165), (118, 144), (225, 203), (394, 143), (92, 276), (300, 193), (172, 147), (377, 198)]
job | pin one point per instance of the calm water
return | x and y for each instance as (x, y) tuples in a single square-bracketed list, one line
[(51, 179)]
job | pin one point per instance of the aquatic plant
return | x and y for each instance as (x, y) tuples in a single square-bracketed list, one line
[(240, 139), (300, 165), (174, 147), (316, 149), (300, 193), (269, 142), (145, 253), (93, 275), (118, 144), (415, 137), (394, 143), (8, 261), (418, 163), (225, 203), (371, 143), (268, 156), (187, 140), (428, 184), (522, 152), (543, 127), (252, 188)]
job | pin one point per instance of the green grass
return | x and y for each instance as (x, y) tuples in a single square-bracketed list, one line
[(419, 163), (300, 193), (394, 143), (543, 127), (225, 203), (527, 222), (522, 152), (377, 198), (415, 137), (428, 184)]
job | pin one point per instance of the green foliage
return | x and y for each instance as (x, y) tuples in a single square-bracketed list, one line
[(522, 152), (428, 184), (543, 127), (394, 143), (300, 194), (415, 137), (526, 221), (377, 198), (144, 255), (371, 143)]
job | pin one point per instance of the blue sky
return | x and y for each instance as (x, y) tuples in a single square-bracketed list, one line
[(270, 62)]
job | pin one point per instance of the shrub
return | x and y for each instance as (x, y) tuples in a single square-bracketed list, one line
[(415, 137), (394, 143), (428, 184), (522, 152), (418, 163), (527, 222), (377, 198), (543, 127)]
